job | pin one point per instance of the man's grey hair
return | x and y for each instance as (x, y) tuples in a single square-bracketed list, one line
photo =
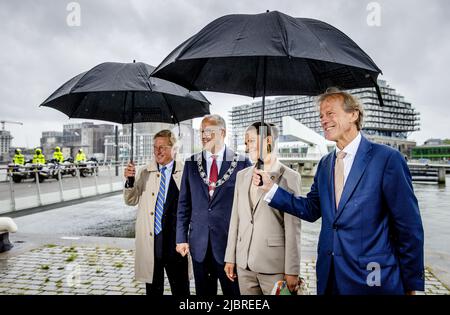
[(219, 121), (351, 103)]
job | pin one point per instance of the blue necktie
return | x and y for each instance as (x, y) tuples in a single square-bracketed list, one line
[(160, 202)]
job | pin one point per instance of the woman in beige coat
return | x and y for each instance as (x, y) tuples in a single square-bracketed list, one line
[(263, 243), (155, 242)]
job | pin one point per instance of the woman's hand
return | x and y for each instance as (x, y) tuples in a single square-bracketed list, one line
[(292, 282), (229, 271)]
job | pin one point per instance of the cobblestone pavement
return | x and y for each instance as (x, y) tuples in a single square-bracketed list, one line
[(57, 269)]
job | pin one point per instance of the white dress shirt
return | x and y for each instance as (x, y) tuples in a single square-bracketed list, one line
[(350, 151), (168, 174), (219, 159)]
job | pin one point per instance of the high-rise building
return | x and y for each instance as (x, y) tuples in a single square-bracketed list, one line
[(5, 144), (87, 136), (390, 124)]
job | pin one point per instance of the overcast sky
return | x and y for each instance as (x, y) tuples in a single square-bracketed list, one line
[(40, 51)]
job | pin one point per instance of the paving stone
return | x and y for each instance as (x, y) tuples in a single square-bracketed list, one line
[(113, 283), (23, 274), (99, 282), (82, 291), (130, 290), (114, 293), (129, 293)]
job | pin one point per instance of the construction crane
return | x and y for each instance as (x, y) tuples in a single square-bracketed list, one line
[(3, 122)]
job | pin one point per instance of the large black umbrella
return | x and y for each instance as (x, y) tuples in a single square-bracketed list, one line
[(125, 93), (269, 54)]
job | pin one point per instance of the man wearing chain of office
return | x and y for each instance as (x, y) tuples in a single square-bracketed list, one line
[(204, 207)]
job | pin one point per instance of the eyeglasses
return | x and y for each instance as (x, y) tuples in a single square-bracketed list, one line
[(209, 131), (162, 148)]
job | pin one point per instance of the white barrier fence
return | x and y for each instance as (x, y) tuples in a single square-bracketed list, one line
[(29, 193)]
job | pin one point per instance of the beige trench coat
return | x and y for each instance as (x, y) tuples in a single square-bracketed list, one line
[(144, 195)]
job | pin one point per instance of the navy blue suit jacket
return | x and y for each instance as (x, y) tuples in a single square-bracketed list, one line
[(200, 219), (377, 221)]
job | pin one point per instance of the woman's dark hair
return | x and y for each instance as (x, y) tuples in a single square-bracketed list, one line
[(272, 131)]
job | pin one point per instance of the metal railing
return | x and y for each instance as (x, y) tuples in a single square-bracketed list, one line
[(300, 156), (38, 189)]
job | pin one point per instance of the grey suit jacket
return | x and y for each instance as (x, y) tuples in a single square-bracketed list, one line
[(262, 238)]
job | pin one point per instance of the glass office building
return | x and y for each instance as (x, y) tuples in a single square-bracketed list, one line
[(390, 124)]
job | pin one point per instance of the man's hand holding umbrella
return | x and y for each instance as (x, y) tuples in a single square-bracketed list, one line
[(260, 175)]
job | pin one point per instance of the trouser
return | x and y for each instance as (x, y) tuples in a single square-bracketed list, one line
[(331, 288), (206, 274), (177, 272), (255, 283)]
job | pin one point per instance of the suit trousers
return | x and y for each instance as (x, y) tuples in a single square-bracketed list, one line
[(206, 274), (255, 283), (331, 288), (176, 268)]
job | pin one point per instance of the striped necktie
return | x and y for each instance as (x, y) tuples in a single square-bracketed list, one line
[(160, 202)]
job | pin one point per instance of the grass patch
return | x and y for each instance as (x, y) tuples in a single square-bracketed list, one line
[(71, 249), (50, 245), (71, 257), (118, 264), (45, 267)]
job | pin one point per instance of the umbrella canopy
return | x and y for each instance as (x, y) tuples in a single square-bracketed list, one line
[(269, 54), (125, 93)]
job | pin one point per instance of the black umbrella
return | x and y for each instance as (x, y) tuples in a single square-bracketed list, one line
[(125, 93), (269, 54)]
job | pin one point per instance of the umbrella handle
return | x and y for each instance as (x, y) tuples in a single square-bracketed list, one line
[(260, 166), (130, 179)]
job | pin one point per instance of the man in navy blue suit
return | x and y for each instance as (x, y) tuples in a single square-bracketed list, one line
[(204, 207), (371, 240)]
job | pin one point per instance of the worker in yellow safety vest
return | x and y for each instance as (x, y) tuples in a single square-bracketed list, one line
[(18, 158), (80, 157), (57, 155), (38, 157)]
